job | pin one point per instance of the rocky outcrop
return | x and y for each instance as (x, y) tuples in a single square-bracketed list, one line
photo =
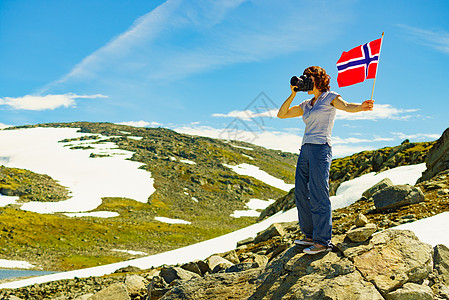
[(383, 268), (391, 264), (438, 157)]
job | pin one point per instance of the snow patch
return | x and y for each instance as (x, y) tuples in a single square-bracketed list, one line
[(253, 206), (172, 221), (88, 179), (97, 214), (253, 171), (15, 264)]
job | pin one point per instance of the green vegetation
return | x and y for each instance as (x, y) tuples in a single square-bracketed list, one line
[(350, 167), (30, 186)]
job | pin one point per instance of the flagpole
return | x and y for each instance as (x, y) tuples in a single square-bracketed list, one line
[(374, 83)]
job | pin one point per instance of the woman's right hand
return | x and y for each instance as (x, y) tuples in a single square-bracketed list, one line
[(292, 87)]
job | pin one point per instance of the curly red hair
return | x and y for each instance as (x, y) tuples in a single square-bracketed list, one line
[(322, 80)]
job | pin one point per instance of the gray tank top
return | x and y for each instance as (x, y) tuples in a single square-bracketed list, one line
[(319, 119)]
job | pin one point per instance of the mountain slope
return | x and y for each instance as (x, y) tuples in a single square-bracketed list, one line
[(191, 180)]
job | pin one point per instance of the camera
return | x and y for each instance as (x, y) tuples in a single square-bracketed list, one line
[(302, 83)]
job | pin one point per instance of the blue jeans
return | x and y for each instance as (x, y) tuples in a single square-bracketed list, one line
[(312, 192)]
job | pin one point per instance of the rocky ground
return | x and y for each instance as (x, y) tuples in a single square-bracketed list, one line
[(272, 267)]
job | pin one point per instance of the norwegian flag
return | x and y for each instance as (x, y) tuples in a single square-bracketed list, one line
[(359, 63)]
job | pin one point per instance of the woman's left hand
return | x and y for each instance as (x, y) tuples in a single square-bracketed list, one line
[(367, 105)]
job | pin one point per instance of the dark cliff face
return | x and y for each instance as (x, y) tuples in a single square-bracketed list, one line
[(438, 157)]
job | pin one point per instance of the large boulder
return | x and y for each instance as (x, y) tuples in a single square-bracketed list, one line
[(235, 285), (272, 231), (437, 159), (441, 262), (396, 196), (172, 273), (361, 234), (386, 182), (135, 284), (411, 291), (116, 291), (217, 263), (391, 259)]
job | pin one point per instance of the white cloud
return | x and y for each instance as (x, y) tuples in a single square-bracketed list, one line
[(417, 136), (280, 140), (151, 49), (380, 111), (248, 114), (351, 140), (437, 40), (2, 126), (345, 150), (141, 123), (31, 102), (277, 140)]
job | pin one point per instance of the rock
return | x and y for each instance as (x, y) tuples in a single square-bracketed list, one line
[(441, 263), (386, 182), (240, 267), (361, 220), (393, 258), (277, 250), (443, 192), (411, 291), (231, 256), (216, 260), (236, 285), (203, 266), (128, 269), (157, 288), (272, 231), (116, 291), (321, 276), (245, 242), (221, 267), (331, 288), (192, 267), (171, 273), (397, 196), (11, 297), (361, 234), (135, 284), (442, 290), (437, 159), (84, 297)]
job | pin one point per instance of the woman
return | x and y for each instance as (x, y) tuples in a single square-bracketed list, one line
[(312, 171)]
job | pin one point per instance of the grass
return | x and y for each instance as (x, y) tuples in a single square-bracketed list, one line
[(57, 242)]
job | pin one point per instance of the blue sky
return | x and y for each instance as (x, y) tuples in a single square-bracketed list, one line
[(222, 68)]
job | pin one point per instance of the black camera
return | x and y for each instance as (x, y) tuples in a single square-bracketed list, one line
[(302, 83)]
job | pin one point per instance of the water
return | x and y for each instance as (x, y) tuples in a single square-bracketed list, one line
[(5, 273)]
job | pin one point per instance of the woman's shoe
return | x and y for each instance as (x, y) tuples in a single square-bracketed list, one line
[(304, 242), (317, 249)]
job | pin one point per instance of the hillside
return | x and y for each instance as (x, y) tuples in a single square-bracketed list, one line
[(191, 184), (271, 267), (358, 164)]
